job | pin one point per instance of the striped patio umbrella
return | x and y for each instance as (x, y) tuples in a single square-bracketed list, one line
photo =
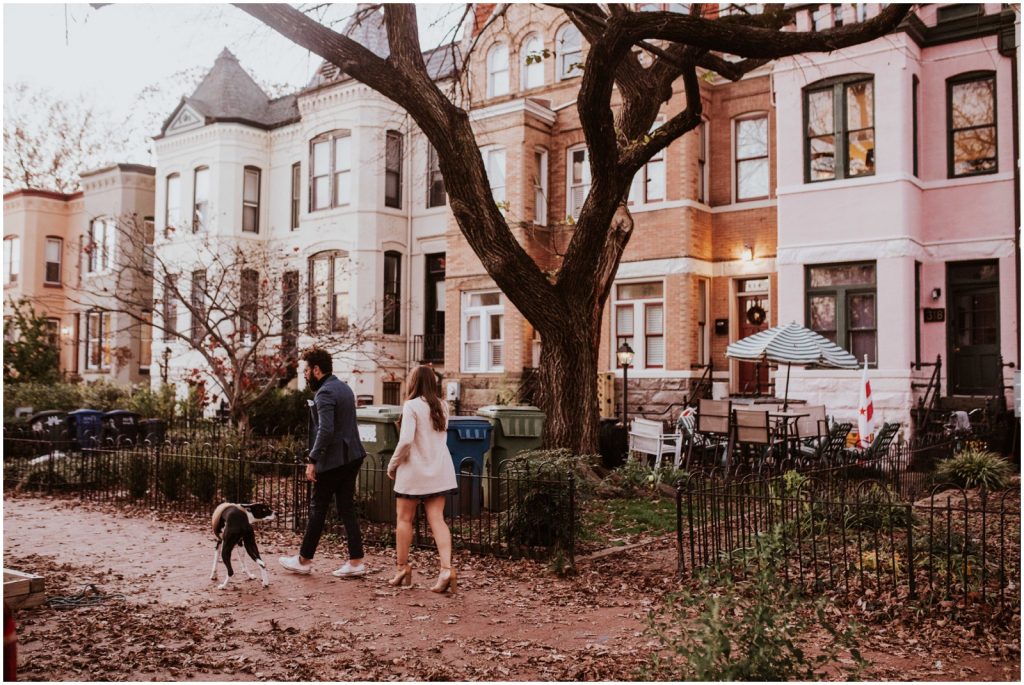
[(791, 344)]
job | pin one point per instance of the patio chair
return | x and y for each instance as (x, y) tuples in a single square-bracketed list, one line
[(648, 437), (878, 448), (752, 438), (713, 426)]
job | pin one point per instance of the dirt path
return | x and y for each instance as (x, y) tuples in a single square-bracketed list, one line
[(512, 620)]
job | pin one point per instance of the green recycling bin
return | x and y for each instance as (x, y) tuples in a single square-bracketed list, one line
[(378, 431), (516, 429)]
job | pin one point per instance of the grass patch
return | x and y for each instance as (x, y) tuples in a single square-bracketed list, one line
[(612, 520)]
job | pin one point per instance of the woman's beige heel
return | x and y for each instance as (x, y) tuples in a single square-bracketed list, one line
[(446, 581), (403, 578)]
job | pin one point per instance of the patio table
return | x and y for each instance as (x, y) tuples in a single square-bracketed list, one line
[(783, 419)]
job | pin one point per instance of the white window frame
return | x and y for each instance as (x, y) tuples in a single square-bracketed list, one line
[(172, 203), (250, 203), (564, 59), (571, 184), (540, 186), (498, 68), (640, 188), (200, 202), (338, 173), (639, 335), (12, 259), (532, 44), (495, 157), (484, 313), (99, 257), (98, 336), (751, 116), (50, 240)]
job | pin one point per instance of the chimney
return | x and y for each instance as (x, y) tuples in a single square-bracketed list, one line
[(482, 11)]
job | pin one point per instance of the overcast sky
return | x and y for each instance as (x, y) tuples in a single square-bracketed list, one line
[(112, 53)]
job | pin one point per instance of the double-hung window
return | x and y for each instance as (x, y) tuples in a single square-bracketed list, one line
[(392, 292), (483, 332), (839, 139), (649, 183), (640, 322), (568, 52), (436, 195), (52, 329), (579, 181), (540, 187), (172, 208), (330, 170), (296, 194), (248, 310), (198, 302), (531, 62), (393, 170), (841, 306), (328, 292), (971, 116), (201, 199), (100, 245), (497, 70), (494, 159), (251, 200), (170, 306), (97, 340), (54, 255), (751, 153), (12, 259)]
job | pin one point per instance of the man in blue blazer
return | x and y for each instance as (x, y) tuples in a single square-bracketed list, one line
[(335, 456)]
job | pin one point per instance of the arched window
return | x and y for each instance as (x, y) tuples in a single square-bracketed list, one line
[(531, 62), (569, 52), (328, 292), (497, 70)]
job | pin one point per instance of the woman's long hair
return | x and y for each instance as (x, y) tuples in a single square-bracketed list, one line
[(422, 382)]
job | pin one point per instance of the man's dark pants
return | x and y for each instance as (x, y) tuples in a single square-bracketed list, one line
[(339, 483)]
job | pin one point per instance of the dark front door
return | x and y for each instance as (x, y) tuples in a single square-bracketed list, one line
[(973, 304)]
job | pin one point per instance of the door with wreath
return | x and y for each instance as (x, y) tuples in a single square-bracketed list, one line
[(752, 303)]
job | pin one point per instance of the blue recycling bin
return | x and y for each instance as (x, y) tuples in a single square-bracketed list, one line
[(85, 426), (469, 440)]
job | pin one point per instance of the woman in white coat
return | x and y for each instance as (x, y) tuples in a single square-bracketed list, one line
[(422, 469)]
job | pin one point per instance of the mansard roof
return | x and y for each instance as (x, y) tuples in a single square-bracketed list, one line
[(366, 27), (229, 93)]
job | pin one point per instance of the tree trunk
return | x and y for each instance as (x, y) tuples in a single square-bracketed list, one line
[(568, 385)]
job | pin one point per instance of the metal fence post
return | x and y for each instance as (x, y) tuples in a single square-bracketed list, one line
[(910, 551), (572, 519)]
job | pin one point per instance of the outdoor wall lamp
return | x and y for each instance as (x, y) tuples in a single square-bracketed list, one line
[(625, 356), (936, 293), (748, 253)]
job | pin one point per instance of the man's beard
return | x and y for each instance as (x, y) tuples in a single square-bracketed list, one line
[(314, 383)]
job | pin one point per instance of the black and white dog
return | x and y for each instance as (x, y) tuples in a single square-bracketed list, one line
[(232, 527)]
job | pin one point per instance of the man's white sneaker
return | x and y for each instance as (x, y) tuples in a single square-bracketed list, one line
[(350, 571), (293, 565)]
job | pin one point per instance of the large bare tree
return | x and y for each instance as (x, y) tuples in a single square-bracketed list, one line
[(566, 307)]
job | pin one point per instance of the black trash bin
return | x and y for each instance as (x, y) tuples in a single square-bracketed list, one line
[(49, 425), (612, 443), (153, 431), (85, 426), (121, 426)]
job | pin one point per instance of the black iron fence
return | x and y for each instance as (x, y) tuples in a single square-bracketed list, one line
[(515, 513), (862, 529)]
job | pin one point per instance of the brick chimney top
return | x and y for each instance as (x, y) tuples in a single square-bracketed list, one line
[(482, 11)]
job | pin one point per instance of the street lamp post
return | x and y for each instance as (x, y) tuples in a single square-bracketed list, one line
[(625, 356)]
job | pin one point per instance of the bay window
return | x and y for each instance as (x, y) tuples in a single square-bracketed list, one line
[(200, 199), (494, 160), (54, 253), (540, 187), (100, 245), (328, 292), (392, 292), (393, 170), (330, 170), (12, 259), (578, 181), (971, 117), (841, 306), (251, 200), (839, 118), (172, 209), (436, 195)]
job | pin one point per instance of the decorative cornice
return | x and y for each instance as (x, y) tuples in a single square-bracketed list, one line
[(526, 104)]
